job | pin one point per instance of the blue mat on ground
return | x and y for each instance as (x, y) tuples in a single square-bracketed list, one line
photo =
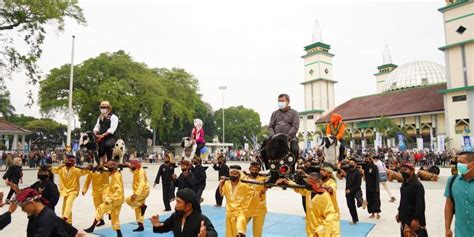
[(276, 225)]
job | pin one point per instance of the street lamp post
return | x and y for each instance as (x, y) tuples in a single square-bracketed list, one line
[(223, 113), (69, 113)]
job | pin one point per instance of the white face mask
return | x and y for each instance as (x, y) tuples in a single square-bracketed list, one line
[(281, 105), (103, 111)]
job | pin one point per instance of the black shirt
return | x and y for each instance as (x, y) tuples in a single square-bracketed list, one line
[(14, 174), (199, 172), (166, 172), (47, 224), (186, 181), (353, 180), (191, 226), (222, 169), (412, 201), (5, 219), (48, 190), (371, 175), (105, 123)]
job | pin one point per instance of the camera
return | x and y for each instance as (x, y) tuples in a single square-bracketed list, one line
[(345, 165)]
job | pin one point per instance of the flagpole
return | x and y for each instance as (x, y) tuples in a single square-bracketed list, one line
[(69, 113)]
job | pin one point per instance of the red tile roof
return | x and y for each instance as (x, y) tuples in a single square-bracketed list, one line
[(401, 102), (8, 128)]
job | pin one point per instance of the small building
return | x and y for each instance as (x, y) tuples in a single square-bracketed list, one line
[(10, 131)]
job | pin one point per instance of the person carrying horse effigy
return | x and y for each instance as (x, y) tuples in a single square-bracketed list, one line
[(336, 127), (104, 130)]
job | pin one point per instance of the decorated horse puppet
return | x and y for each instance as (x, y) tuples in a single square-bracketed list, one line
[(88, 142), (189, 148), (276, 156), (330, 147)]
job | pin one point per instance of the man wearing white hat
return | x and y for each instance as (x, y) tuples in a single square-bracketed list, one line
[(104, 130)]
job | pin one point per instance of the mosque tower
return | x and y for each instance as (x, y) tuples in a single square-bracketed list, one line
[(318, 85), (386, 68), (458, 50)]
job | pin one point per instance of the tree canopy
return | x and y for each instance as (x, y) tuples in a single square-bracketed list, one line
[(28, 20), (239, 122), (47, 133), (142, 97)]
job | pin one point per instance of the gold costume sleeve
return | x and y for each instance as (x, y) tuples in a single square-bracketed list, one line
[(301, 191), (87, 183), (56, 170), (81, 172)]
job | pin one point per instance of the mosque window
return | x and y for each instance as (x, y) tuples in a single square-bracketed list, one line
[(394, 86), (424, 81), (462, 126), (461, 30), (310, 117), (458, 98), (311, 72)]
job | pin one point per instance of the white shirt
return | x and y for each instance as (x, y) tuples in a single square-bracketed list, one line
[(113, 124), (381, 166)]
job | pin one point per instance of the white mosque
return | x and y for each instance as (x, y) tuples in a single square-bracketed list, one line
[(427, 100)]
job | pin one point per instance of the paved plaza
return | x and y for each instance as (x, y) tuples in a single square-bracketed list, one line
[(278, 201)]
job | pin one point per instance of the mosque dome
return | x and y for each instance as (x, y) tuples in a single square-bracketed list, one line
[(414, 74)]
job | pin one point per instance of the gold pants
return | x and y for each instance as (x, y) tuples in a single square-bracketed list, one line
[(114, 210), (68, 201), (98, 198), (257, 224), (235, 225), (136, 204)]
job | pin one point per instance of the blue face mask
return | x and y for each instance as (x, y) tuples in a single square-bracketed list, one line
[(281, 105), (462, 168)]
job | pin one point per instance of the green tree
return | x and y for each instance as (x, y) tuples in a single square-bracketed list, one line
[(383, 125), (20, 120), (47, 134), (6, 109), (239, 122), (142, 98), (183, 87), (28, 19)]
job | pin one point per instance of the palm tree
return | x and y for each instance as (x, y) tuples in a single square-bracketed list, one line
[(383, 125), (6, 109)]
